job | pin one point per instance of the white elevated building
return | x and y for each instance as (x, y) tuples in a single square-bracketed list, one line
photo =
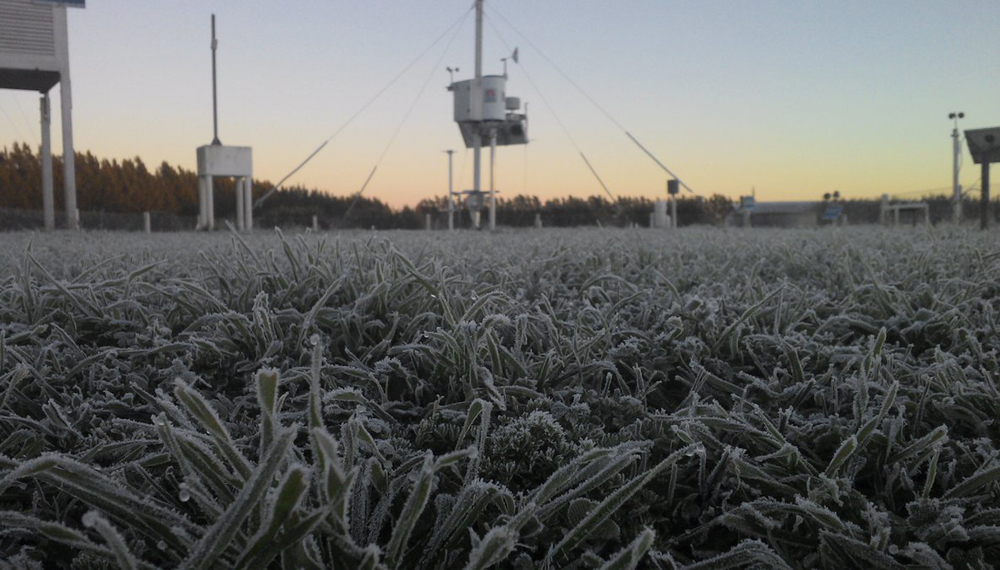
[(34, 56), (484, 113), (215, 160)]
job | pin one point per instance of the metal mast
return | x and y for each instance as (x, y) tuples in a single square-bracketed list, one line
[(957, 157), (215, 99), (451, 193), (493, 195), (477, 104)]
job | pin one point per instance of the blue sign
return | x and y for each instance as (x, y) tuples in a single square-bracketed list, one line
[(70, 3), (833, 212), (748, 203)]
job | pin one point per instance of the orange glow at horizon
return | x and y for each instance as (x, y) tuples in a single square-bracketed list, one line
[(789, 100)]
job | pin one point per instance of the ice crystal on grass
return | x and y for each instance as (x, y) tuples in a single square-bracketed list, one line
[(613, 399)]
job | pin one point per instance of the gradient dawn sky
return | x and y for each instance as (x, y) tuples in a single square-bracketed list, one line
[(791, 97)]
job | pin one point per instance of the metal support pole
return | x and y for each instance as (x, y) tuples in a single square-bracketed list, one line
[(48, 192), (478, 85), (202, 217), (215, 98), (957, 156), (315, 223), (248, 203), (673, 212), (477, 147), (240, 225), (477, 104), (493, 195), (147, 223), (984, 215), (451, 199), (210, 202), (883, 210), (69, 156)]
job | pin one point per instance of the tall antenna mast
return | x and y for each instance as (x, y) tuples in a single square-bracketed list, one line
[(483, 110), (215, 98), (477, 105)]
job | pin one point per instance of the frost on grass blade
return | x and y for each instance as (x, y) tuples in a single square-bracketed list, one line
[(840, 388)]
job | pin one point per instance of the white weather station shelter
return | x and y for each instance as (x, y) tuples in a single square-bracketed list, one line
[(484, 113), (34, 56), (215, 160)]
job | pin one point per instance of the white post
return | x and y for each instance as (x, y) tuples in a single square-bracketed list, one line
[(895, 216), (248, 203), (202, 198), (883, 212), (69, 158), (957, 156), (147, 223), (538, 220), (427, 222), (210, 202), (315, 223), (661, 220), (673, 212), (477, 144), (493, 195), (48, 193), (477, 103), (239, 204), (451, 199)]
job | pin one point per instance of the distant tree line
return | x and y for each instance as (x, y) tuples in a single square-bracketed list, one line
[(520, 211), (130, 187)]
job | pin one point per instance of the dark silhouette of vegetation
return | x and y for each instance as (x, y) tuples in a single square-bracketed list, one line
[(112, 194)]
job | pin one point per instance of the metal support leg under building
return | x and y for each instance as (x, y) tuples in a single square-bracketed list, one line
[(248, 203), (240, 225), (48, 191), (69, 156)]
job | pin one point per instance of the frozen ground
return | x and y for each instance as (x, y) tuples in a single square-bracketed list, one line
[(570, 397)]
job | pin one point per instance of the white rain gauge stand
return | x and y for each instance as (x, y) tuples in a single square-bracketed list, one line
[(485, 113), (216, 160), (34, 56)]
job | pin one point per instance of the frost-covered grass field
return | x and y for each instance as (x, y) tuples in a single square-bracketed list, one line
[(590, 398)]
